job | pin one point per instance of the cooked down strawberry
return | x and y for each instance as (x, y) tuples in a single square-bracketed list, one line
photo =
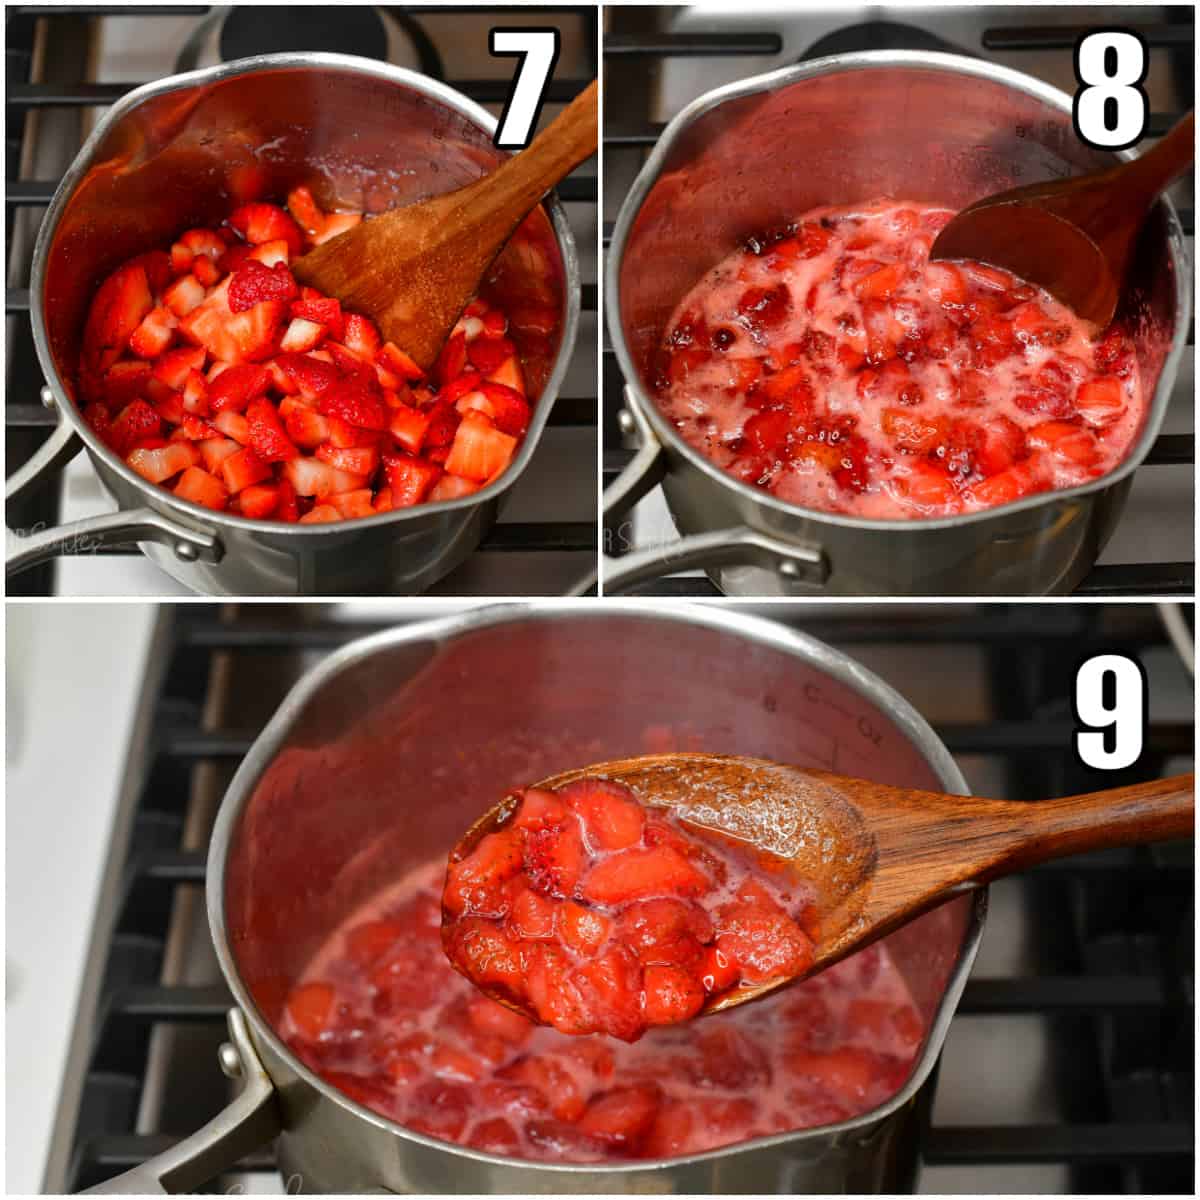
[(619, 921), (381, 1015), (863, 379), (215, 345)]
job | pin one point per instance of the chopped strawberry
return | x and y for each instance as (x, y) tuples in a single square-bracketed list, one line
[(321, 514), (336, 223), (640, 874), (201, 488), (583, 930), (253, 283), (307, 428), (259, 223), (154, 334), (356, 402), (305, 211), (354, 504), (242, 469), (234, 337), (311, 477), (235, 388), (308, 375), (301, 335), (452, 359), (612, 817), (1100, 401), (554, 860), (507, 408), (451, 487), (185, 294), (311, 1008), (480, 450), (174, 367), (882, 283), (410, 479), (397, 361), (666, 931), (233, 425), (360, 336), (358, 460), (259, 500), (124, 381), (409, 426), (1071, 442), (325, 312), (764, 942), (267, 435), (136, 421), (672, 995), (623, 1116), (158, 465), (214, 451)]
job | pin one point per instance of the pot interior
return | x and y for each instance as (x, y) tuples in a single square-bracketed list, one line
[(395, 755), (754, 163), (188, 156)]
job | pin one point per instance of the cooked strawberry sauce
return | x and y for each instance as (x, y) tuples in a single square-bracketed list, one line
[(381, 1015), (594, 914), (213, 373), (834, 366)]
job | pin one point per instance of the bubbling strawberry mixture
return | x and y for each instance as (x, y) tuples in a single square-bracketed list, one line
[(214, 374), (834, 366), (594, 914), (381, 1015)]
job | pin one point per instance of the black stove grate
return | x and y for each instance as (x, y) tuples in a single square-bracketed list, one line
[(28, 423), (627, 140), (1114, 977)]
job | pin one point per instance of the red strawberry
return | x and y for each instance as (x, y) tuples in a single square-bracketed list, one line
[(252, 283), (909, 430), (326, 312), (480, 450), (666, 931), (672, 995), (945, 284), (154, 334), (124, 381), (360, 336), (355, 401), (157, 465), (1073, 443), (641, 874), (398, 362), (214, 450), (489, 354), (259, 500), (475, 883), (531, 916), (451, 487), (201, 488), (610, 992), (554, 859), (287, 508), (311, 477), (1100, 401), (184, 295), (717, 971), (553, 1082), (452, 359), (508, 408), (764, 942), (242, 469), (409, 426), (358, 460), (612, 817), (206, 271), (354, 504), (309, 376), (482, 951), (304, 209), (762, 308), (136, 421), (174, 367), (235, 388), (267, 436), (623, 1116), (882, 283), (259, 223), (234, 337)]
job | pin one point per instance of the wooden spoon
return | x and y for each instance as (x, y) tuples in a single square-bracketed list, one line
[(1073, 237), (877, 855), (414, 269)]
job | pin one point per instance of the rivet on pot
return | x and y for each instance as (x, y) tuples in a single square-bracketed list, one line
[(625, 421), (48, 400), (186, 552), (230, 1060)]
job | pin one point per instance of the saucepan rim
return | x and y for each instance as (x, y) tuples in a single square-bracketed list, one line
[(159, 497), (442, 630), (953, 64)]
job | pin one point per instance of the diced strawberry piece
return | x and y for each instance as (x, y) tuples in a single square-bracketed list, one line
[(553, 1082), (124, 381), (509, 374), (358, 460), (623, 1116), (356, 402), (945, 283), (554, 859), (642, 874), (308, 375), (409, 478), (206, 271), (259, 223), (259, 500), (451, 487), (201, 488), (202, 243), (354, 504), (882, 283), (610, 993), (849, 1071), (181, 259), (361, 336), (169, 406), (1002, 444), (174, 366), (154, 334), (311, 1008), (234, 337), (311, 477), (97, 416), (672, 995), (307, 428), (612, 817), (397, 361), (929, 486), (1100, 401), (325, 312), (234, 388), (452, 359), (717, 971), (1073, 443), (990, 278), (305, 211), (666, 931), (233, 258), (267, 435), (253, 283), (336, 223), (185, 294), (242, 469), (409, 426), (763, 308), (480, 450), (321, 514), (157, 465), (214, 451), (136, 421), (583, 930), (485, 954), (488, 354), (765, 943), (507, 408), (909, 430), (234, 425), (345, 436), (531, 916)]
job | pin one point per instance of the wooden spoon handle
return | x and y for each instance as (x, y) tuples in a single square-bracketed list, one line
[(521, 181), (1143, 812), (1153, 172)]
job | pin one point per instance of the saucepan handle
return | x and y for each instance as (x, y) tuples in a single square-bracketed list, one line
[(739, 546), (247, 1123), (25, 550)]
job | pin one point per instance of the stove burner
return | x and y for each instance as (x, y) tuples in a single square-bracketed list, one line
[(879, 35), (347, 29)]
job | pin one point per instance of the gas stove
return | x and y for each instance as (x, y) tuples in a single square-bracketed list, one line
[(65, 62), (659, 59), (1068, 1068)]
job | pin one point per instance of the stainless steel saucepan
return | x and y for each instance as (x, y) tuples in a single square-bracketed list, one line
[(379, 758), (182, 152), (755, 155)]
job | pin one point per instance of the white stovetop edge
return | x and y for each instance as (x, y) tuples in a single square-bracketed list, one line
[(71, 699)]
